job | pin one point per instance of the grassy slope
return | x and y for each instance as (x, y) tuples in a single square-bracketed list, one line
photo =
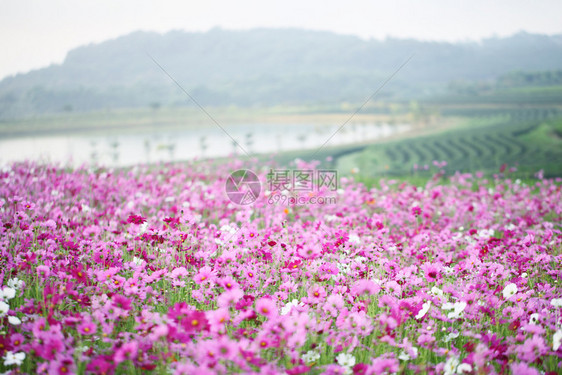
[(529, 145), (519, 126)]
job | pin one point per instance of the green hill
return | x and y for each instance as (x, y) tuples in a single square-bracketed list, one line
[(262, 67)]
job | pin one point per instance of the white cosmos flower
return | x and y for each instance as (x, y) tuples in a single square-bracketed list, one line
[(485, 233), (448, 306), (436, 291), (353, 238), (138, 261), (451, 366), (4, 308), (458, 308), (404, 356), (509, 291), (424, 310), (556, 302), (448, 270), (143, 227), (14, 320), (557, 340), (15, 283), (464, 367), (345, 360), (287, 308), (229, 229), (7, 293), (451, 336), (534, 318), (311, 356), (11, 358)]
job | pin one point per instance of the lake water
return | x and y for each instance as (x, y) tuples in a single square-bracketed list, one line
[(175, 145)]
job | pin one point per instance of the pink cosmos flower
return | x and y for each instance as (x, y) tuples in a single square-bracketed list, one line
[(205, 275), (43, 271), (230, 298), (394, 288), (266, 306), (63, 365), (382, 365), (334, 304), (101, 364), (532, 349), (195, 321), (317, 293), (121, 302), (17, 339), (521, 368), (87, 328), (297, 370), (126, 351), (218, 319), (364, 286), (431, 272), (228, 283), (246, 301), (227, 349)]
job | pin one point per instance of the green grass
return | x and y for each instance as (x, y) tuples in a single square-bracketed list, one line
[(530, 145)]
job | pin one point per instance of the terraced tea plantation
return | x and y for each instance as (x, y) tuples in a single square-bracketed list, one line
[(529, 140)]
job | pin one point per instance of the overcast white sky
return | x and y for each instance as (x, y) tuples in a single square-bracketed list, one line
[(36, 33)]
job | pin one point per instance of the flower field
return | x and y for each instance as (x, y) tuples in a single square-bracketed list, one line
[(155, 270)]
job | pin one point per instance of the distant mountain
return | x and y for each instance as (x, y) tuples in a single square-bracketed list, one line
[(263, 67)]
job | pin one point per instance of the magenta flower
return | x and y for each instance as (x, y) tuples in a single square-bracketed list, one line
[(136, 219), (246, 301), (87, 328), (126, 352), (431, 272), (121, 302), (195, 321), (297, 370), (195, 294), (101, 365), (17, 340)]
